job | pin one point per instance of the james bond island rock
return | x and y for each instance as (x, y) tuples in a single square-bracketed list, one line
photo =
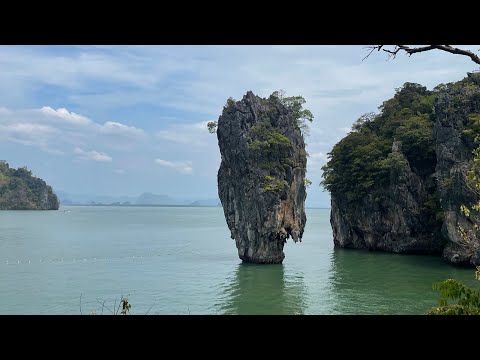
[(261, 180), (20, 190), (399, 181)]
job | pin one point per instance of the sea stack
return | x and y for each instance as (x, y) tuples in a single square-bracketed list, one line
[(261, 180)]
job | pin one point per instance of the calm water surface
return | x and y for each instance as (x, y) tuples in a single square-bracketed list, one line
[(177, 260)]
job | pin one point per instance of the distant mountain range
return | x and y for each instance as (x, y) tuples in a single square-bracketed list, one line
[(144, 199)]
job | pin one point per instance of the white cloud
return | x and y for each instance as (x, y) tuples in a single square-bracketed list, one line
[(183, 167), (66, 115), (51, 130), (29, 134), (119, 171), (92, 155), (162, 81), (115, 128), (195, 134)]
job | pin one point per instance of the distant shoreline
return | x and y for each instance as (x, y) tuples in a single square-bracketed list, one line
[(155, 205)]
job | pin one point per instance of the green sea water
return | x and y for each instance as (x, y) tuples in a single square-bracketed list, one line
[(181, 260)]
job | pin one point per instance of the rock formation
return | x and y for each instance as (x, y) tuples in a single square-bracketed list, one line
[(414, 206), (454, 152), (261, 180), (395, 224), (20, 190)]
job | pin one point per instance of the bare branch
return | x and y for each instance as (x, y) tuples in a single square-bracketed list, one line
[(373, 48), (149, 310), (105, 306), (413, 50)]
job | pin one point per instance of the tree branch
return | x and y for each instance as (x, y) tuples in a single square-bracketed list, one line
[(413, 50)]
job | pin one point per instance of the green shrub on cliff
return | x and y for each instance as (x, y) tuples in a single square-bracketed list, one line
[(20, 190)]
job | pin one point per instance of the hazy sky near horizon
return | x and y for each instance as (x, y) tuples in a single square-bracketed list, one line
[(122, 120)]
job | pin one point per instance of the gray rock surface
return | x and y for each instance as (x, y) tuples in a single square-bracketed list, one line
[(454, 151), (261, 180), (394, 224)]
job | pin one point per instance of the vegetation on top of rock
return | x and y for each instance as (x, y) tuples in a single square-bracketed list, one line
[(20, 190), (294, 103), (362, 161)]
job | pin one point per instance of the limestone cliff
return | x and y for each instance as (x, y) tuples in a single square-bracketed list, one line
[(403, 194), (261, 180), (20, 190), (454, 147), (395, 222)]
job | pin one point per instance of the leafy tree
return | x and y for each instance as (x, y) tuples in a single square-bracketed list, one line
[(212, 127), (466, 300), (295, 103), (364, 122)]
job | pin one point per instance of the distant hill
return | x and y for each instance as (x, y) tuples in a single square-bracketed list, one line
[(20, 190), (144, 199), (154, 199), (207, 202)]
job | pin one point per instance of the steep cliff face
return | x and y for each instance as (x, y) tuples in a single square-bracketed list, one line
[(19, 190), (408, 199), (454, 152), (391, 218), (261, 180)]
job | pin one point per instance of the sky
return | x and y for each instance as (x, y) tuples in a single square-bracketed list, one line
[(123, 120)]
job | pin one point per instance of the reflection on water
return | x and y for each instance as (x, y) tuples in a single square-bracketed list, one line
[(263, 290), (381, 283)]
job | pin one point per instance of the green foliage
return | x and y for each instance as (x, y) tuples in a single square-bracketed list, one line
[(363, 161), (364, 122), (356, 165), (415, 133), (230, 102), (394, 162), (308, 183), (20, 190), (270, 183), (466, 300), (268, 145), (473, 130), (212, 127), (295, 104)]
